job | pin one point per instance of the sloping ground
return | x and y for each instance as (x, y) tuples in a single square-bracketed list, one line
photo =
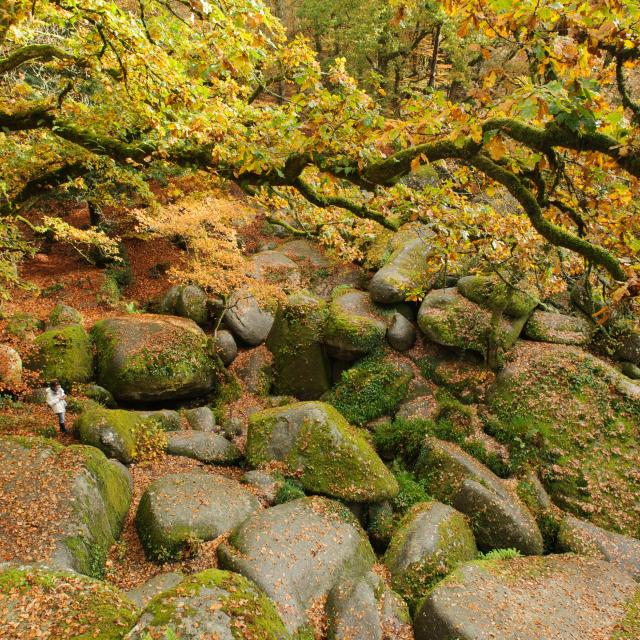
[(561, 409)]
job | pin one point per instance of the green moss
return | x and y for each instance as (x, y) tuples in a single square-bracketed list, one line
[(629, 629), (360, 332), (560, 412), (455, 544), (68, 606), (328, 457), (289, 490), (300, 363), (402, 438), (253, 614), (372, 388), (64, 354), (412, 491), (492, 293)]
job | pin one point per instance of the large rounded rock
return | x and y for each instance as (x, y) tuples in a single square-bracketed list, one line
[(250, 319), (63, 354), (61, 506), (301, 365), (37, 602), (144, 593), (492, 293), (545, 326), (586, 539), (401, 334), (544, 598), (10, 367), (63, 315), (317, 445), (187, 301), (305, 254), (405, 272), (297, 552), (180, 508), (448, 318), (499, 520), (430, 541), (211, 604), (366, 608), (575, 418), (628, 347), (225, 346), (151, 358), (202, 419), (254, 369), (354, 325), (211, 448), (114, 431)]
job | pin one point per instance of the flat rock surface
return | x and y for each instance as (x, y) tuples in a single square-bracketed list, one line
[(182, 507), (212, 448), (297, 552), (544, 598)]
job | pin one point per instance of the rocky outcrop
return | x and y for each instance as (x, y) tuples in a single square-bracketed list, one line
[(62, 506), (186, 301), (561, 410), (405, 271), (314, 443), (430, 541), (210, 448), (354, 327), (586, 539), (63, 354), (450, 319), (401, 334), (250, 319), (37, 602), (492, 293), (301, 365), (498, 519), (180, 509), (152, 358), (546, 598), (10, 367), (366, 608), (558, 328), (63, 315), (298, 552), (211, 604)]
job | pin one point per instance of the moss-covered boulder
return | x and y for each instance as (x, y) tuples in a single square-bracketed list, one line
[(151, 358), (254, 370), (42, 603), (429, 542), (355, 326), (374, 387), (186, 301), (297, 552), (492, 293), (558, 597), (450, 319), (63, 315), (574, 417), (96, 393), (366, 608), (182, 508), (317, 445), (115, 431), (558, 328), (300, 363), (63, 354), (62, 506), (586, 539), (498, 519), (211, 604), (405, 272)]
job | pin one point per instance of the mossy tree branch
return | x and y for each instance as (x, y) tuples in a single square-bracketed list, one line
[(29, 53)]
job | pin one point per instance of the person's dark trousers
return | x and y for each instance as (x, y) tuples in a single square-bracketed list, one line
[(61, 422)]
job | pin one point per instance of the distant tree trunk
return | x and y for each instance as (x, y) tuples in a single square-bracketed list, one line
[(279, 11), (96, 217), (434, 58)]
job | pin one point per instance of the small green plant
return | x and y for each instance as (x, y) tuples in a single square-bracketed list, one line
[(47, 432), (402, 439), (289, 490), (412, 491), (499, 554)]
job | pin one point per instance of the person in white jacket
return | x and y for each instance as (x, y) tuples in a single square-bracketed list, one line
[(56, 400)]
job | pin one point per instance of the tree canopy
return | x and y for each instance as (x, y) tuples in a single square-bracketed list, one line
[(100, 97)]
